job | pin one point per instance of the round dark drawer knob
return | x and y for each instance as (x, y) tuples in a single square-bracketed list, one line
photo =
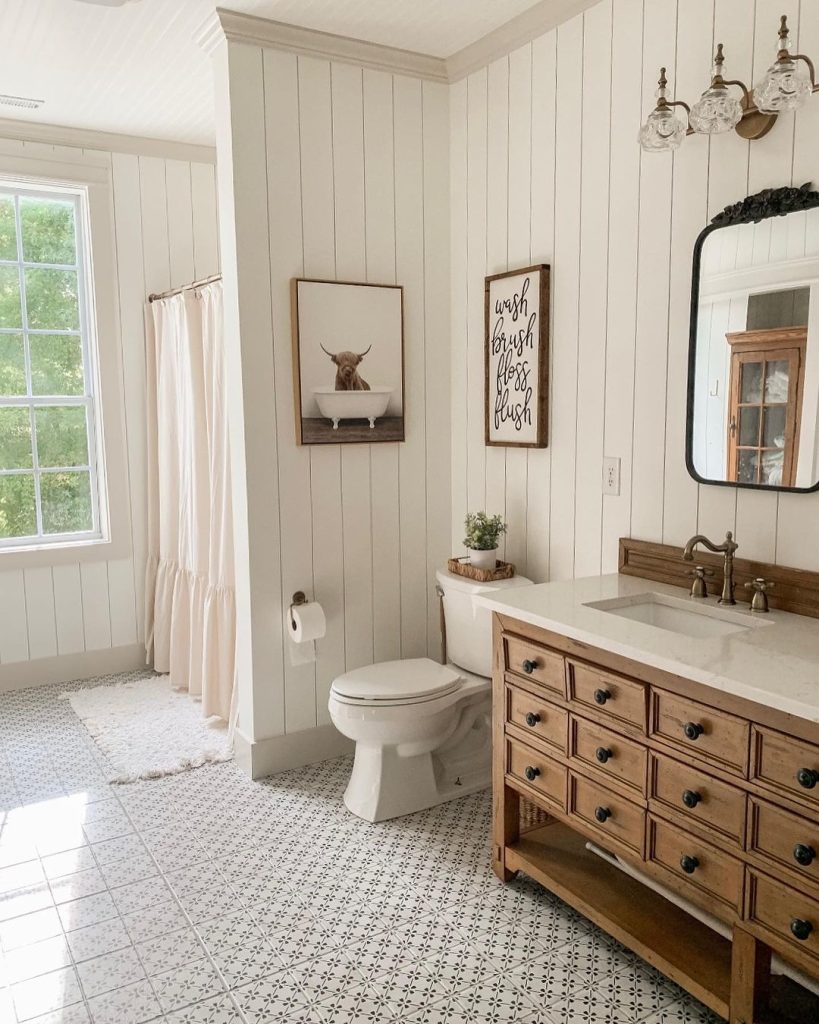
[(807, 778), (532, 719), (531, 773), (804, 854), (602, 754), (602, 814), (800, 929), (529, 666), (690, 798), (601, 696), (693, 730), (689, 864)]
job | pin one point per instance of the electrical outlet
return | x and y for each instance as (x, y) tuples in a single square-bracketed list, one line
[(611, 475)]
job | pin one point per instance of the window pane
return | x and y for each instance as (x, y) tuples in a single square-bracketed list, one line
[(746, 471), (773, 436), (10, 313), (51, 300), (12, 365), (776, 381), (18, 517), (749, 425), (772, 463), (8, 229), (15, 438), (56, 364), (48, 230), (66, 499), (751, 390), (62, 436)]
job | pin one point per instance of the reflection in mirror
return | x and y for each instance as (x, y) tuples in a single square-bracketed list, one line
[(754, 385)]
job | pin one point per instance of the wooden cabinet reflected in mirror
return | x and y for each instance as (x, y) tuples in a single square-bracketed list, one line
[(765, 405), (753, 386)]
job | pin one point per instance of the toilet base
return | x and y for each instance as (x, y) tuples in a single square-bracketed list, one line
[(387, 784)]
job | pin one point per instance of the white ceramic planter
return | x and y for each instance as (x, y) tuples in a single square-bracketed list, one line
[(483, 559)]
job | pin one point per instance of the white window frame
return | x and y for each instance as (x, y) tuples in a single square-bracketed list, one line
[(88, 175), (88, 400)]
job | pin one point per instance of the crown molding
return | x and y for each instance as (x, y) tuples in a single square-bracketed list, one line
[(246, 28), (517, 32), (111, 142)]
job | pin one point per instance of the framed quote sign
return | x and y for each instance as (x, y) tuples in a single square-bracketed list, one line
[(517, 357)]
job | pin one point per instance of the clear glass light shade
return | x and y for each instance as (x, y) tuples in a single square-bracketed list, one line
[(662, 130), (786, 86), (717, 110)]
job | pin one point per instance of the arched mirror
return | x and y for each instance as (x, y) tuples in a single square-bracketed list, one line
[(753, 378)]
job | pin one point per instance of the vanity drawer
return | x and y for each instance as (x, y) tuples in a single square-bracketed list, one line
[(784, 914), (546, 721), (544, 775), (695, 867), (786, 765), (785, 839), (614, 818), (535, 662), (697, 796), (700, 731), (610, 697), (608, 753)]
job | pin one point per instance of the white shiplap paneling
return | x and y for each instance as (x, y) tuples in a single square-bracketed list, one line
[(618, 228), (165, 232)]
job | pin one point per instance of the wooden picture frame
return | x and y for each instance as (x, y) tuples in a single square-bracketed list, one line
[(348, 361), (516, 358)]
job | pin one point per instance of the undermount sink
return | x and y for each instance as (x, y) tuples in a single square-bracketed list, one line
[(687, 616)]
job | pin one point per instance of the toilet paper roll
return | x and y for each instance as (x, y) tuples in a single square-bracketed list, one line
[(306, 622)]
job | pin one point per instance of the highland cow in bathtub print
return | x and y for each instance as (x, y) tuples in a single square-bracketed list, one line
[(348, 350)]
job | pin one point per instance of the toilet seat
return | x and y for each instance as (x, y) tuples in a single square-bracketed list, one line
[(390, 683)]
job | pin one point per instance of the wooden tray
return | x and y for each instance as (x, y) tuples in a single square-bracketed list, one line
[(502, 570)]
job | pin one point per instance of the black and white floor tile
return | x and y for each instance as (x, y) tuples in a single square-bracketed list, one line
[(205, 898)]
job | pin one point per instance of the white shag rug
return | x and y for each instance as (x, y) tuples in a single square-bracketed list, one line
[(148, 730)]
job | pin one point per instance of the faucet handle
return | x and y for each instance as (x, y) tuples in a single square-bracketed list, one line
[(760, 587), (699, 587)]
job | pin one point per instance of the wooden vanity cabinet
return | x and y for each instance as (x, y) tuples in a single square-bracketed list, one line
[(713, 798)]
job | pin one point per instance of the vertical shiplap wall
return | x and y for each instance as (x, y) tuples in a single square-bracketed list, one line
[(357, 170), (545, 167), (165, 234)]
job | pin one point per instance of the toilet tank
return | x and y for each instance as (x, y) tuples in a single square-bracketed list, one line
[(468, 625)]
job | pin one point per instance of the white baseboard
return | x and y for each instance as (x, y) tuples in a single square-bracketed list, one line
[(65, 668), (294, 750)]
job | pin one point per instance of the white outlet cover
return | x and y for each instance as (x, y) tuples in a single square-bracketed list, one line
[(611, 475)]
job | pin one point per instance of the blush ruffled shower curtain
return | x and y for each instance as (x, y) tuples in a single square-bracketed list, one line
[(190, 611)]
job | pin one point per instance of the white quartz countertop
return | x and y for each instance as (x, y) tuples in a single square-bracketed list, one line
[(776, 664)]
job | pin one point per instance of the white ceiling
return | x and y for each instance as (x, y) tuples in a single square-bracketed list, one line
[(137, 70)]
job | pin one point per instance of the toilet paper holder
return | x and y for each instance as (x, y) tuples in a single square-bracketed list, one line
[(298, 598)]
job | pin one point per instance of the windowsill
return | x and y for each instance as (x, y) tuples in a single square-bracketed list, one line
[(98, 549)]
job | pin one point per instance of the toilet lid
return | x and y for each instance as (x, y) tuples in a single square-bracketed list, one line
[(409, 679)]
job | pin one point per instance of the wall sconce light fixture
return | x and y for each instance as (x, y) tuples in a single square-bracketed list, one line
[(786, 85)]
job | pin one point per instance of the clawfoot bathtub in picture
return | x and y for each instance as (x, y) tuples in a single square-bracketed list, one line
[(353, 405)]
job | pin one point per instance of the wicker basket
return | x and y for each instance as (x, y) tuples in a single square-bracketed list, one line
[(462, 567)]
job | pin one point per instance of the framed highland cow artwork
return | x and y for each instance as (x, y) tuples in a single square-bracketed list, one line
[(348, 361), (517, 358)]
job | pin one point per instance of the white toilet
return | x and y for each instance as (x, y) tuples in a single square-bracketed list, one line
[(423, 730)]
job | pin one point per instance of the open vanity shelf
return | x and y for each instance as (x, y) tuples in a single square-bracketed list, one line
[(706, 794)]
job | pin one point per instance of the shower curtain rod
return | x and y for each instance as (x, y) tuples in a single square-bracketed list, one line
[(184, 288)]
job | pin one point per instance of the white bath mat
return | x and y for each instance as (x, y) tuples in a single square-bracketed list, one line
[(147, 730)]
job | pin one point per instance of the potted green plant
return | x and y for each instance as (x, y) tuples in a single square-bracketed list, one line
[(482, 533)]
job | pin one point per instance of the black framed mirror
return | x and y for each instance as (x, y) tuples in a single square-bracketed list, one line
[(753, 363)]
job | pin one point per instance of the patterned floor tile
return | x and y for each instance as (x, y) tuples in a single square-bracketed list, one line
[(131, 1005), (189, 984), (217, 1010), (166, 952), (46, 994), (97, 939), (113, 970)]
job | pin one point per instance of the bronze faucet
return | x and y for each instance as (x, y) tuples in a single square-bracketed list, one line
[(728, 547)]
